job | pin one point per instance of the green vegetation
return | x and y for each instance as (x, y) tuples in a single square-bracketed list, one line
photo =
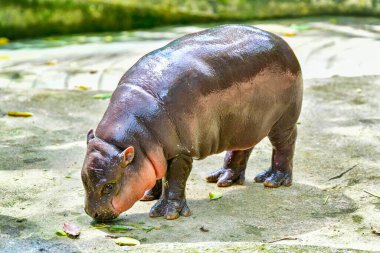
[(34, 18), (357, 218)]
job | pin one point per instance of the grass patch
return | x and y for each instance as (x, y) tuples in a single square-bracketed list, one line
[(35, 18)]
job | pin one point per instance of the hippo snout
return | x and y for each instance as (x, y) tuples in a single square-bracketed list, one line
[(101, 214)]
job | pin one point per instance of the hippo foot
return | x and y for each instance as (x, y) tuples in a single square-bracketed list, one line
[(170, 209), (274, 178), (225, 177)]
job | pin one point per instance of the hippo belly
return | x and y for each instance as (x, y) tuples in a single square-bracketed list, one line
[(236, 118)]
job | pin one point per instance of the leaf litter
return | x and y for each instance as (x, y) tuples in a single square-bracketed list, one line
[(71, 230), (215, 195)]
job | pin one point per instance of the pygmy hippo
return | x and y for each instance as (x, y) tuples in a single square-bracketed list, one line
[(221, 89)]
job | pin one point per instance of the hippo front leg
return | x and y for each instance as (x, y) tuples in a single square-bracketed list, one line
[(172, 202), (154, 193)]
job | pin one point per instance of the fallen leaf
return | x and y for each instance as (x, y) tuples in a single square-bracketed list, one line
[(101, 226), (203, 229), (71, 230), (126, 227), (34, 160), (326, 199), (126, 241), (120, 227), (4, 57), (150, 228), (61, 233), (20, 114), (112, 236), (284, 239), (135, 225), (103, 95), (21, 219), (82, 87), (372, 194), (375, 230), (3, 41), (290, 34), (146, 228), (358, 90), (215, 195), (52, 62)]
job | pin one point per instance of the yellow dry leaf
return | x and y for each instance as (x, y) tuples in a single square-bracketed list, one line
[(290, 34), (82, 87), (126, 241), (52, 62), (20, 114)]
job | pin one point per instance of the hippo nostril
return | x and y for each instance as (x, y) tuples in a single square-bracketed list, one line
[(96, 215)]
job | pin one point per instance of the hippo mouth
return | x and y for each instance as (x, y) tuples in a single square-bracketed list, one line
[(103, 213), (105, 217)]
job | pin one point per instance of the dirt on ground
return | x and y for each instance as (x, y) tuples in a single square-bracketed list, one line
[(329, 208)]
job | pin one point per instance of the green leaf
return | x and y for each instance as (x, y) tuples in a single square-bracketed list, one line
[(60, 233), (215, 195), (126, 241), (150, 228), (135, 225), (326, 199), (103, 95), (121, 227)]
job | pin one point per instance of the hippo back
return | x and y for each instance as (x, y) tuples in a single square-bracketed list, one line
[(221, 89)]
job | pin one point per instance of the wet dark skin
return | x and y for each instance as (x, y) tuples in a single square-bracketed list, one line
[(221, 89)]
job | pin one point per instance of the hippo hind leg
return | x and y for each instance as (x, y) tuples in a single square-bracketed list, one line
[(280, 173), (172, 202), (233, 170), (153, 193)]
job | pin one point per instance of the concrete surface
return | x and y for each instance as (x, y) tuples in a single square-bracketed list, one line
[(339, 128)]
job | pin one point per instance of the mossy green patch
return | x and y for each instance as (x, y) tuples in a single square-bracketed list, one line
[(357, 218)]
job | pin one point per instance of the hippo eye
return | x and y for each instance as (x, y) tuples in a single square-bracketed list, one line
[(108, 188)]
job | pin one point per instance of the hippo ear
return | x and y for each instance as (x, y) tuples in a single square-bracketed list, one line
[(127, 155), (90, 135)]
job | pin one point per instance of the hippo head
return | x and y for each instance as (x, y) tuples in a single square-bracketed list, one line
[(114, 179)]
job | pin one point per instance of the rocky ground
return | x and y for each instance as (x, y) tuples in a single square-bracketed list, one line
[(339, 131)]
